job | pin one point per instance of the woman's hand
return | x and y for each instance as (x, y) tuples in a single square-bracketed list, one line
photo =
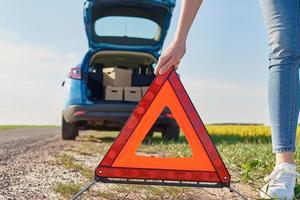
[(171, 57), (176, 50)]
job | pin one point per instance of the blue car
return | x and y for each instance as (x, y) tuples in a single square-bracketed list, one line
[(123, 33)]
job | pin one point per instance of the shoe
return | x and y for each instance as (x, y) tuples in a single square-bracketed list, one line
[(280, 183)]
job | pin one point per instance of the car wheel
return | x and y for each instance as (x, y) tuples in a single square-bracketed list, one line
[(171, 132), (69, 131)]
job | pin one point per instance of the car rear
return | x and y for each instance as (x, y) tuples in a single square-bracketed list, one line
[(131, 40)]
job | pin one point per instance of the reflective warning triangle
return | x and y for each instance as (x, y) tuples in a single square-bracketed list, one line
[(121, 160)]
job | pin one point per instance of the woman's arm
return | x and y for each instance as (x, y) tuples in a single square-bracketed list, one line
[(176, 50)]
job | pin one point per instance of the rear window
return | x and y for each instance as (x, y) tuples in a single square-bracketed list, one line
[(131, 27)]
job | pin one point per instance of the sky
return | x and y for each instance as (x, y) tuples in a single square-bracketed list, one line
[(224, 69)]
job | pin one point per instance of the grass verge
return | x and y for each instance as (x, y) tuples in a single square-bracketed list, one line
[(67, 189), (8, 127), (248, 157), (69, 163)]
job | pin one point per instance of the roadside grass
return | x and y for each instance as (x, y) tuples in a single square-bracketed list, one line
[(8, 127), (69, 163), (144, 193), (248, 157), (67, 189)]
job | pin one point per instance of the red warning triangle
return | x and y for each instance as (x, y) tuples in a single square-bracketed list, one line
[(205, 164)]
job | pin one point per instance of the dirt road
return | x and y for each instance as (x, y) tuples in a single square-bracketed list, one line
[(27, 168), (19, 141)]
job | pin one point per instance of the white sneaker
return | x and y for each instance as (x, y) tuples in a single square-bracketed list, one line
[(280, 183)]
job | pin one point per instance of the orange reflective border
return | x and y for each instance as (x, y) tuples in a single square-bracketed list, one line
[(205, 164)]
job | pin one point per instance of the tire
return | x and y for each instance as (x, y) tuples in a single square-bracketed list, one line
[(171, 132), (69, 131)]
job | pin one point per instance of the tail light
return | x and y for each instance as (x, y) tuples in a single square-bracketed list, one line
[(79, 113), (75, 73)]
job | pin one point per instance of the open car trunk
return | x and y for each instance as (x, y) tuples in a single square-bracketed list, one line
[(134, 61), (151, 16)]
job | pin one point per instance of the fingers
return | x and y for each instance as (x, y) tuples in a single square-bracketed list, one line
[(167, 66), (161, 62)]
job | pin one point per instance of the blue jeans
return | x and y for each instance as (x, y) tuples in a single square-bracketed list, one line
[(282, 19)]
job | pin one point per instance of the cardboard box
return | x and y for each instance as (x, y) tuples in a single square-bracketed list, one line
[(116, 76), (144, 90), (132, 93), (113, 93)]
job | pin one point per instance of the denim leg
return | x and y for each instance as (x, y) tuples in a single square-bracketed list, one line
[(282, 19)]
